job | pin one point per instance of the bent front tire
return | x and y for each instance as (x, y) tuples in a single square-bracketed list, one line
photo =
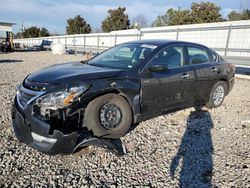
[(108, 116), (217, 95)]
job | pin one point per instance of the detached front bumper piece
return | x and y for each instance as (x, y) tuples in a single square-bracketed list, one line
[(35, 133)]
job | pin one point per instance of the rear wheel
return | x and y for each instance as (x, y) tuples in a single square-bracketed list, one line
[(217, 95), (108, 116)]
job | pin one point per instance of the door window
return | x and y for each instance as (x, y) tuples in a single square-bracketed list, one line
[(197, 55), (171, 57)]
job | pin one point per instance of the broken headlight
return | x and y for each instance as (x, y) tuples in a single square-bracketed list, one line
[(58, 100)]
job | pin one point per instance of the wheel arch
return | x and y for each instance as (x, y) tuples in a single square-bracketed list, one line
[(226, 81)]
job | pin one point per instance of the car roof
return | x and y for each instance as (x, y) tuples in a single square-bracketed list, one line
[(163, 42)]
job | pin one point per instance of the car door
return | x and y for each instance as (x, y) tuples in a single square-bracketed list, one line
[(162, 81), (206, 72)]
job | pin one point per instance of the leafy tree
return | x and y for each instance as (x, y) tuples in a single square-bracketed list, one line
[(77, 25), (116, 20), (33, 32), (43, 32), (203, 12), (245, 14), (179, 17), (173, 17), (139, 21), (162, 20), (234, 15)]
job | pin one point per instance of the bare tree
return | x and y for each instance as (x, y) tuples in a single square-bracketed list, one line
[(139, 21)]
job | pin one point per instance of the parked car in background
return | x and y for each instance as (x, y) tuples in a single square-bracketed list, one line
[(124, 85), (44, 45)]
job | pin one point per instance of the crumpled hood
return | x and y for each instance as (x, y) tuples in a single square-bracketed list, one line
[(69, 72)]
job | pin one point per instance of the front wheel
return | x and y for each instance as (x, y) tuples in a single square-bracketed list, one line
[(108, 116), (217, 95)]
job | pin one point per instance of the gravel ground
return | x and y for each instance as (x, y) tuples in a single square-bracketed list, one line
[(182, 149)]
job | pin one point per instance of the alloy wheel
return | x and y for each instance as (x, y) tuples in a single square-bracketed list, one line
[(218, 95)]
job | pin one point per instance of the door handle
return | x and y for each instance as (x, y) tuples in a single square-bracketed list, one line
[(185, 76), (214, 69)]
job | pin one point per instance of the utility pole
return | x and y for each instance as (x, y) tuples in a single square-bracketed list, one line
[(22, 29)]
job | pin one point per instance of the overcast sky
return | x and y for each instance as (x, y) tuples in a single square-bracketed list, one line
[(53, 14)]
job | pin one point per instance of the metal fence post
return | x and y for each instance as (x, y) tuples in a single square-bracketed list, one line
[(139, 34), (115, 39), (177, 33), (74, 42), (84, 42), (65, 42), (228, 39), (98, 43)]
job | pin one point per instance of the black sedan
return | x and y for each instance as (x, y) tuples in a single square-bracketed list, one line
[(124, 85)]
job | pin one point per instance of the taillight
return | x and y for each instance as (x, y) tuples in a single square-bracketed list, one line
[(231, 67)]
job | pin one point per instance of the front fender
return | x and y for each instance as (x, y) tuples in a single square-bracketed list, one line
[(129, 89)]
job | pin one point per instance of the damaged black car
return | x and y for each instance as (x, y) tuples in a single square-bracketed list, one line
[(57, 107)]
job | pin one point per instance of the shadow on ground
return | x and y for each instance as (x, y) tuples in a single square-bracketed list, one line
[(194, 156), (10, 61)]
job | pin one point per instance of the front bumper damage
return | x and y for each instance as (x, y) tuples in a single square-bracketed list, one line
[(37, 134)]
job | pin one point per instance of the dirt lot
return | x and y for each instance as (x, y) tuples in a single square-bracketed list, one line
[(183, 149)]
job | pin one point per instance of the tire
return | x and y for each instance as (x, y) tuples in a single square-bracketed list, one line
[(220, 88), (112, 106)]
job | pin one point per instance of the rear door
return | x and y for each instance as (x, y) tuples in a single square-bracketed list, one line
[(205, 70)]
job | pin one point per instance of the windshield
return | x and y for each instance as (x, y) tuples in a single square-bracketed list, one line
[(124, 56)]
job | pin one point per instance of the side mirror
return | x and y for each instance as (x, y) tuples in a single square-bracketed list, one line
[(157, 68)]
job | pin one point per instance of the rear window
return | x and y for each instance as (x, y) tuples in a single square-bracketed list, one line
[(197, 55), (215, 57)]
